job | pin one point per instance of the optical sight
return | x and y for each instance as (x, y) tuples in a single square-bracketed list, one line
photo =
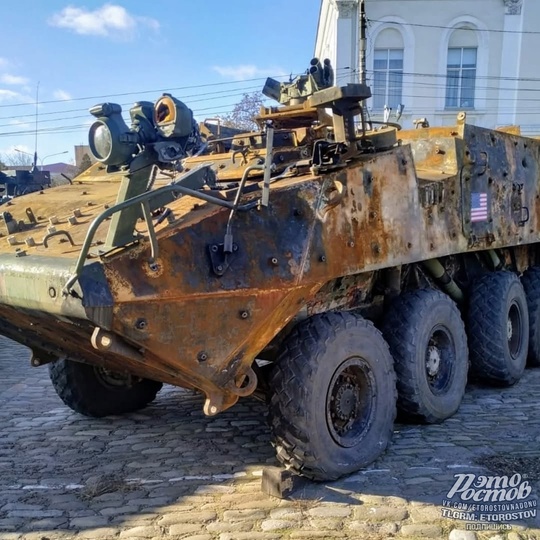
[(166, 128)]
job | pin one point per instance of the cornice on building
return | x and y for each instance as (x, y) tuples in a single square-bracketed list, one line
[(346, 8), (513, 7)]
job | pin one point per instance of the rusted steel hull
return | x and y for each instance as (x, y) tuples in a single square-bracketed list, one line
[(198, 319)]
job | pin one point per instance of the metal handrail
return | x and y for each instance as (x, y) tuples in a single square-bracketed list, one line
[(142, 199)]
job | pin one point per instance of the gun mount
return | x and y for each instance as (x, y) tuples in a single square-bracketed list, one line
[(263, 269)]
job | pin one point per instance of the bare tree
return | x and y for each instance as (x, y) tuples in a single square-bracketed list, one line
[(17, 159), (244, 112), (86, 162)]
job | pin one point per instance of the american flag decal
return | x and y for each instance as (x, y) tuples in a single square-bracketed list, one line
[(479, 210)]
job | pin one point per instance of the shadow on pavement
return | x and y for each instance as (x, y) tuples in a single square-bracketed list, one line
[(170, 471)]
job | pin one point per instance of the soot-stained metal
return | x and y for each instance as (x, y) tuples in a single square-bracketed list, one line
[(190, 276)]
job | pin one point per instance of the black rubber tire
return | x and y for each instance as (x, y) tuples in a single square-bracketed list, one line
[(428, 341), (497, 304), (322, 363), (531, 284), (83, 389)]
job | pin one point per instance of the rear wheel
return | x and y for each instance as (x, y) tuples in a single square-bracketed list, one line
[(428, 342), (498, 327), (95, 391), (333, 398), (531, 284)]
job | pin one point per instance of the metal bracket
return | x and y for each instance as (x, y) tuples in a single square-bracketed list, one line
[(57, 233), (220, 259), (522, 222)]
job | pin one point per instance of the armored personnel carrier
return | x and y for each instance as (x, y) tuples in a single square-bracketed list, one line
[(336, 268)]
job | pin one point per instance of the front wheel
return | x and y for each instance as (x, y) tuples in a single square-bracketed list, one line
[(95, 391), (333, 400)]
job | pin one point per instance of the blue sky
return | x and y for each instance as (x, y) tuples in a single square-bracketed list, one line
[(79, 51)]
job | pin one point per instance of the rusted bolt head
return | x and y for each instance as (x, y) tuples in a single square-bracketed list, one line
[(141, 324)]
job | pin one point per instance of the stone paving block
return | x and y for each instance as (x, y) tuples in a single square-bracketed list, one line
[(241, 515), (317, 534), (291, 514), (326, 524), (10, 536), (88, 522), (188, 517), (139, 532), (380, 513), (185, 528), (230, 527), (460, 534), (254, 535), (47, 524), (99, 533), (421, 531), (330, 511)]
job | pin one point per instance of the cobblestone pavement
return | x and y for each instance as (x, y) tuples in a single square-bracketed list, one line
[(170, 472)]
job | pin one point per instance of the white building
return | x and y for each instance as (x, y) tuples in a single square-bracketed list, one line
[(438, 57)]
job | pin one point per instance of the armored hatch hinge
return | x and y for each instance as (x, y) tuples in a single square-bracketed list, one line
[(431, 193)]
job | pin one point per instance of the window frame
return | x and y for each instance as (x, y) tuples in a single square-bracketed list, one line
[(456, 100), (388, 83)]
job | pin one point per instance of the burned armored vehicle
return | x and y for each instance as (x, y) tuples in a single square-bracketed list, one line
[(16, 183), (338, 269)]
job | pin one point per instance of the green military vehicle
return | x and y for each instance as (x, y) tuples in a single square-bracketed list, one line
[(336, 268)]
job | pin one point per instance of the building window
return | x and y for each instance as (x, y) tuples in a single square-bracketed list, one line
[(461, 77), (387, 78)]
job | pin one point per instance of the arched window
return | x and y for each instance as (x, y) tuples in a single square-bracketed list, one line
[(388, 69), (461, 68)]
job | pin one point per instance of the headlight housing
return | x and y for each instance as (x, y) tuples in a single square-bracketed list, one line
[(111, 141)]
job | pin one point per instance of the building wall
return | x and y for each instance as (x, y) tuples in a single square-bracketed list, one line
[(424, 29), (80, 151)]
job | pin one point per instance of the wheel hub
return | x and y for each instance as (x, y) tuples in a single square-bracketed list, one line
[(509, 329), (113, 379), (346, 402), (433, 361), (350, 402)]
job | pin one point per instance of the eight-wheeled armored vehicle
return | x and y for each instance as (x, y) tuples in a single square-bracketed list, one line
[(333, 266)]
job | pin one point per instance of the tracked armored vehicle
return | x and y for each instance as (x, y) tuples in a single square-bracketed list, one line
[(336, 268)]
